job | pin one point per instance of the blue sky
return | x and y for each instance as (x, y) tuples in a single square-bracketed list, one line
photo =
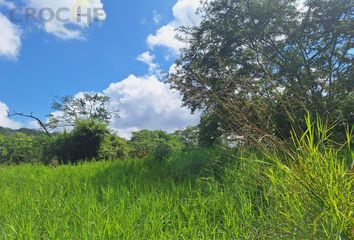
[(39, 61)]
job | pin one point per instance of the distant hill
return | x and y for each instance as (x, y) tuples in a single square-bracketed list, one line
[(28, 131)]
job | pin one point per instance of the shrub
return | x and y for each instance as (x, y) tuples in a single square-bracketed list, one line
[(157, 144), (189, 137), (113, 147), (82, 143), (18, 148), (163, 150), (200, 162)]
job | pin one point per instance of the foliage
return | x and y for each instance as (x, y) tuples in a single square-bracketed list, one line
[(199, 162), (70, 109), (7, 131), (82, 143), (189, 137), (304, 194), (262, 65), (114, 148), (165, 149), (209, 130), (158, 143), (313, 189), (18, 148), (60, 148)]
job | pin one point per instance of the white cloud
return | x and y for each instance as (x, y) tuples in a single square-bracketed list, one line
[(149, 59), (5, 121), (156, 17), (76, 21), (166, 37), (10, 40), (147, 103), (184, 12), (146, 57)]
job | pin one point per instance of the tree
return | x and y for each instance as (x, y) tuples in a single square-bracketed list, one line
[(261, 65), (43, 125), (70, 109), (209, 130), (113, 148), (189, 137), (18, 148), (86, 139), (157, 143), (82, 143)]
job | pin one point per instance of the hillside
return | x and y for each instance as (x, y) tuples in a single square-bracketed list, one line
[(28, 131)]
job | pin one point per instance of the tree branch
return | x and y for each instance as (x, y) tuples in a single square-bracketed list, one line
[(43, 126)]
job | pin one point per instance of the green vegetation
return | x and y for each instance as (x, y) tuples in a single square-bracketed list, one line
[(254, 168), (306, 194), (257, 67)]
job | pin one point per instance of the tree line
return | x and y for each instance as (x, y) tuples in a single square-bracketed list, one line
[(254, 68)]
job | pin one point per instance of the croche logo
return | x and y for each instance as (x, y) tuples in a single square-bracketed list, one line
[(77, 8)]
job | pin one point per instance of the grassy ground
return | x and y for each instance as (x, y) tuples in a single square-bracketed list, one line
[(117, 201), (255, 199)]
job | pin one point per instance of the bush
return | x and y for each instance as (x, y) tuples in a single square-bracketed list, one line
[(113, 147), (82, 143), (157, 144), (163, 150), (189, 137), (207, 162), (18, 148)]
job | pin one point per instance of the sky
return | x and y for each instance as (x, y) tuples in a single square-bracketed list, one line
[(118, 48)]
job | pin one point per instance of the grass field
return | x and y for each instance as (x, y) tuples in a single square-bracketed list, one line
[(130, 200), (116, 201)]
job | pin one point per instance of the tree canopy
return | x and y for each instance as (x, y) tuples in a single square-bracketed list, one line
[(265, 64), (70, 109)]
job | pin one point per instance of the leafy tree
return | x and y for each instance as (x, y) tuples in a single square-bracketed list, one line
[(60, 148), (157, 143), (209, 130), (261, 65), (82, 143), (113, 148), (189, 137), (2, 148), (86, 139), (18, 148), (8, 131), (70, 109), (164, 149)]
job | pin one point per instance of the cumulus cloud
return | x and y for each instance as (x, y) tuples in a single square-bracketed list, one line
[(147, 103), (166, 37), (80, 15), (149, 59), (10, 40), (4, 120), (184, 12)]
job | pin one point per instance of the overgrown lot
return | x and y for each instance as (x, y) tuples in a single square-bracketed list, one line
[(255, 196)]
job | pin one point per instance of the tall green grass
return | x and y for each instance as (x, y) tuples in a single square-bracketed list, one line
[(306, 193), (312, 187), (118, 201)]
